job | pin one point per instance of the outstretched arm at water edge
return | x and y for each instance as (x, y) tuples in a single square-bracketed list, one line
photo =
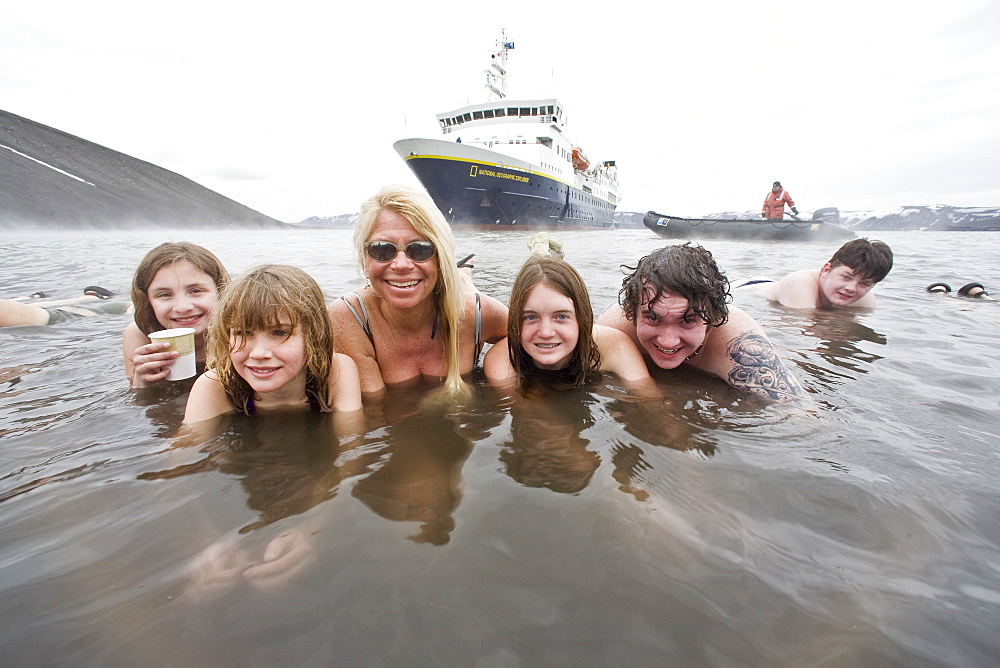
[(345, 397)]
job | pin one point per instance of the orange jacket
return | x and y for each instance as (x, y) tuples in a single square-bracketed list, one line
[(774, 204)]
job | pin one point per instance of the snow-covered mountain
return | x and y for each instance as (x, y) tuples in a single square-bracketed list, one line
[(936, 217), (341, 221)]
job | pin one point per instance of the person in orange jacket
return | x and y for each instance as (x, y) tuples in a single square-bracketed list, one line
[(774, 203)]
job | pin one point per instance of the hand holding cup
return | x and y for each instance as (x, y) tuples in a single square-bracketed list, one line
[(181, 348), (151, 363)]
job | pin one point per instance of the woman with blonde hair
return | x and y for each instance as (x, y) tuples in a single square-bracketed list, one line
[(413, 319)]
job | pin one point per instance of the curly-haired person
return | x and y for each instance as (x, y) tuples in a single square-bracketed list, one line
[(675, 307)]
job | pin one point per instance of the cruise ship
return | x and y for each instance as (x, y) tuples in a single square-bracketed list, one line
[(506, 163)]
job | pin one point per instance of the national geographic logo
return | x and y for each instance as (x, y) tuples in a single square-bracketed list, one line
[(475, 171)]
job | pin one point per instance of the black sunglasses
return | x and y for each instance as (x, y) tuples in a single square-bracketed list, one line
[(386, 251)]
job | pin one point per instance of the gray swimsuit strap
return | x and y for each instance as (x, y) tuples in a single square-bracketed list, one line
[(479, 331), (362, 319)]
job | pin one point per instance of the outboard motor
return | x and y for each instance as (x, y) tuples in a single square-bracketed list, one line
[(830, 214)]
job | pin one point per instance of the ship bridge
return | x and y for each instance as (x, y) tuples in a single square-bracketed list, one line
[(503, 111), (531, 130)]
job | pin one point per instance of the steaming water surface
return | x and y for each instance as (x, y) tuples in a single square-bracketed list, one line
[(587, 528)]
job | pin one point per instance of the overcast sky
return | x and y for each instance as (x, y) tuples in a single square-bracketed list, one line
[(292, 109)]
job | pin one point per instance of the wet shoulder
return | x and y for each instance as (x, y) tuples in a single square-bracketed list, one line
[(799, 289)]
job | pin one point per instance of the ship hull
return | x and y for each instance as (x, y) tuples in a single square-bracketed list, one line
[(477, 188)]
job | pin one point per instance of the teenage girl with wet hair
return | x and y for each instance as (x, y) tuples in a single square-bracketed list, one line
[(551, 336), (270, 348)]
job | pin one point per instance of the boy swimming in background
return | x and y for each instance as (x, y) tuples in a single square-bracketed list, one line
[(846, 280)]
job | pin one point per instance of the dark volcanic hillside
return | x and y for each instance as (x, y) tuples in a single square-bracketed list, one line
[(84, 184)]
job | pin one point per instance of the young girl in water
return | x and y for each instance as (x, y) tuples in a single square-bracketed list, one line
[(551, 335), (175, 285), (270, 347)]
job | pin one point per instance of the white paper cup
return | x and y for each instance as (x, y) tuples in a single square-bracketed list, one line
[(181, 340)]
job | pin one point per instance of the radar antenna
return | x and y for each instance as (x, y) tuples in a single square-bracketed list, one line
[(496, 76)]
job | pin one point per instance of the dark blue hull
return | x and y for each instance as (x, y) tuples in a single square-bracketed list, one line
[(478, 195)]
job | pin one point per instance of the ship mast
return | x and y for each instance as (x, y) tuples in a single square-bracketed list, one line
[(496, 76)]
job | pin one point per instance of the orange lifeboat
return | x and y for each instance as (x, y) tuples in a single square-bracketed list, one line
[(580, 161)]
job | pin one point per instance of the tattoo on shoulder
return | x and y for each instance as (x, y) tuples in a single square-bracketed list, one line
[(758, 368)]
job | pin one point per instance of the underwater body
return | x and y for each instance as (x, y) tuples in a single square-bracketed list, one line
[(583, 528)]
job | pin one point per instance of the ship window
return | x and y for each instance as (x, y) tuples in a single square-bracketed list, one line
[(478, 115), (498, 112), (512, 111), (466, 117), (488, 113), (525, 111), (534, 111)]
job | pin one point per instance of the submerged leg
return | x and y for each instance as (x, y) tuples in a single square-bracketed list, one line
[(13, 313)]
